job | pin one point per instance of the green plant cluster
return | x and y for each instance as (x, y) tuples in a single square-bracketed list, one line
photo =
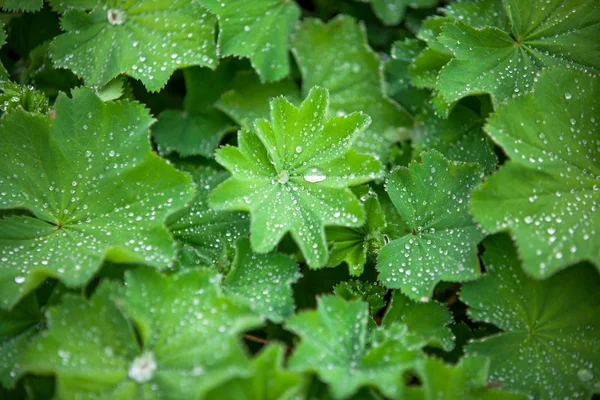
[(316, 199)]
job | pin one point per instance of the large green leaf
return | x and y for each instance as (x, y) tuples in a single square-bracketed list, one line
[(188, 339), (548, 194), (292, 175), (351, 245), (146, 39), (433, 198), (549, 347), (468, 380), (427, 320), (94, 186), (208, 232), (336, 55), (262, 282), (338, 344), (269, 380), (504, 61), (259, 30)]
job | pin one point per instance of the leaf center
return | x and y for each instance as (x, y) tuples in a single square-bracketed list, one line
[(283, 177), (142, 368), (116, 16)]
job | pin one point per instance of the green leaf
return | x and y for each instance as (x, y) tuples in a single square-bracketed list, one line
[(107, 41), (551, 328), (350, 245), (371, 293), (21, 5), (259, 30), (293, 174), (468, 380), (547, 195), (262, 282), (14, 96), (391, 12), (426, 66), (248, 99), (427, 320), (94, 186), (113, 90), (191, 133), (188, 337), (208, 232), (460, 137), (353, 74), (433, 198), (505, 63), (3, 72), (337, 345), (269, 380), (18, 326)]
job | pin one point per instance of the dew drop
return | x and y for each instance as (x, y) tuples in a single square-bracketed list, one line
[(313, 175), (116, 17), (585, 375), (283, 177), (19, 279), (142, 368)]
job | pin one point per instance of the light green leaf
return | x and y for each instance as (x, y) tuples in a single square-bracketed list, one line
[(548, 194), (18, 326), (337, 345), (293, 174), (337, 57), (248, 99), (460, 137), (21, 5), (94, 186), (259, 30), (113, 90), (427, 320), (145, 39), (269, 380), (505, 63), (190, 134), (433, 198), (351, 245), (426, 66), (468, 380), (208, 232), (548, 349), (262, 282), (188, 337)]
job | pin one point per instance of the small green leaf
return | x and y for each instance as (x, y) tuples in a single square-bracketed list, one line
[(145, 39), (262, 282), (460, 137), (433, 198), (371, 293), (337, 344), (14, 96), (337, 57), (351, 245), (21, 5), (505, 63), (269, 380), (548, 194), (468, 380), (188, 339), (191, 134), (259, 30), (95, 188), (427, 320), (248, 99), (208, 232), (391, 12), (113, 90), (18, 326), (551, 328), (293, 174)]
